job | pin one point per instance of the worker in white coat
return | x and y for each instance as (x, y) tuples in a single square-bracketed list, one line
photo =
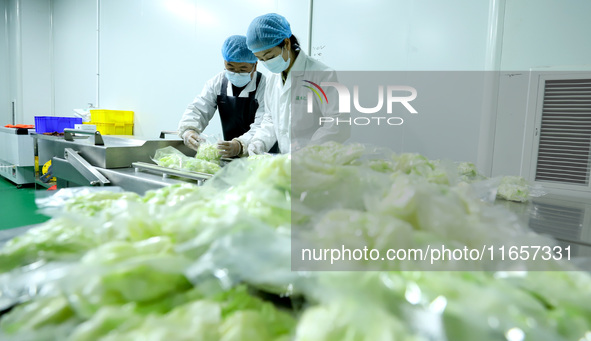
[(237, 93), (269, 37)]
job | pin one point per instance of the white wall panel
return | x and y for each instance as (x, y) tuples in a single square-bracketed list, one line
[(13, 28), (427, 35), (369, 37), (546, 33), (512, 107), (5, 103), (25, 62), (74, 55), (447, 35), (35, 52), (401, 35)]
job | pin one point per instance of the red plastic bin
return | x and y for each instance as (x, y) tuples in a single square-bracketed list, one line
[(50, 124)]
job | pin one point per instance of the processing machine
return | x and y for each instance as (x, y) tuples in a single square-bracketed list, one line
[(87, 158)]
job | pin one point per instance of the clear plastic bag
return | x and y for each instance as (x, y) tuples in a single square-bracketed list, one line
[(52, 203), (34, 280), (235, 258), (171, 157), (212, 138)]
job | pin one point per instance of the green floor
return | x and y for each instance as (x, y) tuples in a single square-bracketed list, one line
[(17, 205)]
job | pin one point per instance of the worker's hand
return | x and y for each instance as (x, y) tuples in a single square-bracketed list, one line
[(192, 139), (256, 147), (229, 148)]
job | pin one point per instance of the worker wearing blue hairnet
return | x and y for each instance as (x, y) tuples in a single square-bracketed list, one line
[(237, 93), (308, 120)]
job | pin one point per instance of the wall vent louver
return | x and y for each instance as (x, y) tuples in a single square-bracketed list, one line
[(564, 152)]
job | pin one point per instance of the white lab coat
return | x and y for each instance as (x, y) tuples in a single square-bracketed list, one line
[(303, 128), (201, 110)]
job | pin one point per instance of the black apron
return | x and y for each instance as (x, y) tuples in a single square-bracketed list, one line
[(238, 113)]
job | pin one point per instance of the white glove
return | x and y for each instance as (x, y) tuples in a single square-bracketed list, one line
[(192, 139), (256, 147), (229, 148)]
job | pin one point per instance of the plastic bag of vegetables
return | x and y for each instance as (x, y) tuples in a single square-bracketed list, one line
[(171, 157)]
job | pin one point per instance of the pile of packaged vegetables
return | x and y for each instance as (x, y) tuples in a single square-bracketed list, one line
[(214, 262)]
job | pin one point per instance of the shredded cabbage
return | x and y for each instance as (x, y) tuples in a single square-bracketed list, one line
[(92, 203), (208, 152), (513, 188)]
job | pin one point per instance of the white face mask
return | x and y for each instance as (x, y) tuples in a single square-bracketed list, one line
[(238, 79), (277, 64)]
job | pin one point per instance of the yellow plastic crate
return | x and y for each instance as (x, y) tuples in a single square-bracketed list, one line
[(113, 128), (112, 122), (111, 116)]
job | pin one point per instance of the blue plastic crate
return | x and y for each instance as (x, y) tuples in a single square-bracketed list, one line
[(50, 124)]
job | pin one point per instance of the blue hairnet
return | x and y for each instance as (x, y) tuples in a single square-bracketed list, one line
[(235, 50), (267, 31)]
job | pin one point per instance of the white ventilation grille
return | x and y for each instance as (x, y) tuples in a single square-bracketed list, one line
[(565, 134), (561, 222)]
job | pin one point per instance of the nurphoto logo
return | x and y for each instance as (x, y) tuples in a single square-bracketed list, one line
[(392, 95)]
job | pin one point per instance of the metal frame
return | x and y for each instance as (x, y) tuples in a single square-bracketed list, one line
[(88, 171), (200, 177)]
